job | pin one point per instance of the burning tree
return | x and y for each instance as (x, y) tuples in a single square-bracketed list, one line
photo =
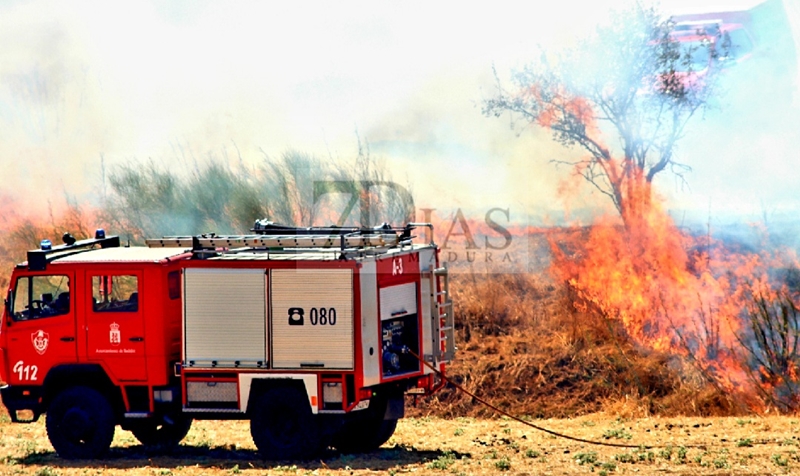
[(631, 79), (669, 292)]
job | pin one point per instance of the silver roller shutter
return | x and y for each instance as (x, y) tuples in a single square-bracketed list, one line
[(312, 344), (225, 317), (399, 300)]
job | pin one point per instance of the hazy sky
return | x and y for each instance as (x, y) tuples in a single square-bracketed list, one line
[(180, 81)]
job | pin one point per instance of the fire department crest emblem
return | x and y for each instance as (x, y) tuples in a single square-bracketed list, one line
[(114, 335), (40, 340)]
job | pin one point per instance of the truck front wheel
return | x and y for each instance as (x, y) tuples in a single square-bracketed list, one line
[(283, 426), (80, 423)]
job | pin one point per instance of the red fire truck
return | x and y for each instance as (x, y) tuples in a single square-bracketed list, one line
[(314, 335)]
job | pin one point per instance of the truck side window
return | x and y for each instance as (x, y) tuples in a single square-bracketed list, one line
[(36, 297), (115, 293)]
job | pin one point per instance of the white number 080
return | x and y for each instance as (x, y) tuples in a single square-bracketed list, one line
[(25, 372)]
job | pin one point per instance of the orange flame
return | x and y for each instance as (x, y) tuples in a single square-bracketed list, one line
[(672, 292)]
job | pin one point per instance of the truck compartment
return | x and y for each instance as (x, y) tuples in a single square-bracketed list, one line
[(312, 318), (225, 318)]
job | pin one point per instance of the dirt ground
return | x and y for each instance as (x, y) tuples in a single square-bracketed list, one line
[(753, 445)]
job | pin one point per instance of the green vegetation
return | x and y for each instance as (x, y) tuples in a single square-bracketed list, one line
[(744, 442), (147, 200), (682, 455), (608, 466), (443, 462), (503, 464), (666, 453), (619, 433), (47, 471), (779, 460), (586, 458)]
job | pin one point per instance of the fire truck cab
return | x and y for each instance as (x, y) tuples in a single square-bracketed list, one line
[(312, 334)]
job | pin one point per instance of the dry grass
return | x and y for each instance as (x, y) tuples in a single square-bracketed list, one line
[(524, 347), (688, 445)]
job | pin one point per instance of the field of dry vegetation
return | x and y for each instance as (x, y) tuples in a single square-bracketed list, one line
[(523, 345)]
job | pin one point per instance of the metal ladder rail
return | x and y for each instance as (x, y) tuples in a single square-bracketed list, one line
[(278, 241), (444, 312)]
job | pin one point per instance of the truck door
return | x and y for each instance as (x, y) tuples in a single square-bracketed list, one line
[(115, 323), (41, 327)]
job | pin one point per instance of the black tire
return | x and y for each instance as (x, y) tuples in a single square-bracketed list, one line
[(282, 425), (366, 432), (80, 423), (161, 433), (385, 432)]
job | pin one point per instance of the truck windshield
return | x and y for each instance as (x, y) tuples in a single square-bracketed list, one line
[(40, 296)]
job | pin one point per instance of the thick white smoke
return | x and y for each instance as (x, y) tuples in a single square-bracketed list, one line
[(182, 82)]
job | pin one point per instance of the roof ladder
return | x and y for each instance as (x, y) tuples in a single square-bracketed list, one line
[(271, 236)]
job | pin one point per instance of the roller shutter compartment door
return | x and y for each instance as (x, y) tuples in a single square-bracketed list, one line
[(312, 318), (225, 317), (399, 300)]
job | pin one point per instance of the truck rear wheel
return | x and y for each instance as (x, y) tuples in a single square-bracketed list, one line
[(367, 432), (166, 432), (80, 423), (282, 425)]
